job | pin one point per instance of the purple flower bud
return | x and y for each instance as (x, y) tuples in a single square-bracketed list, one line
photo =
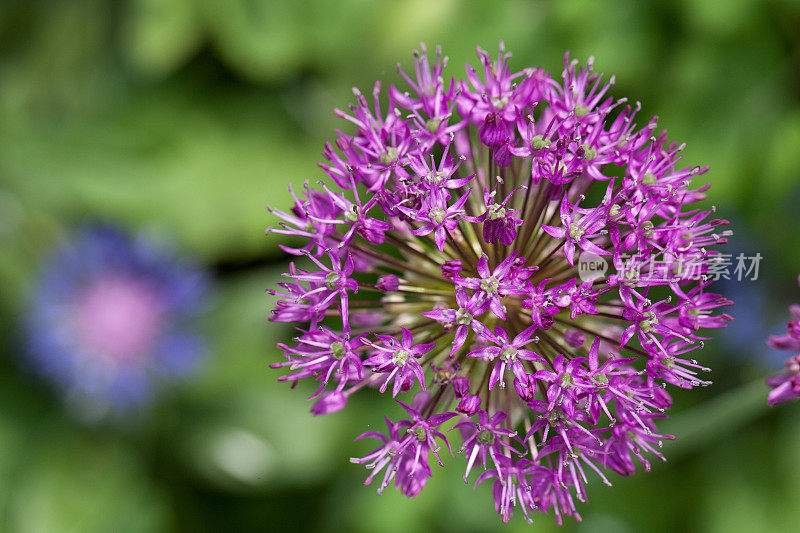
[(329, 402), (574, 338), (420, 400), (493, 130), (783, 390), (461, 386), (388, 283), (365, 319), (525, 388), (451, 268), (502, 155), (469, 404)]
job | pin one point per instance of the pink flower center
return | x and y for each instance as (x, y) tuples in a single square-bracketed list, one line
[(118, 319)]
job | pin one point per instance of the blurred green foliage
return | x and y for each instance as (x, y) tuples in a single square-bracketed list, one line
[(187, 116)]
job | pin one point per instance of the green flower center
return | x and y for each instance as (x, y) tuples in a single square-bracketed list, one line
[(438, 215), (556, 415), (508, 354), (400, 357), (495, 211), (419, 432), (485, 437), (581, 110), (389, 156), (576, 231), (648, 179), (434, 176), (648, 226), (647, 324), (332, 280), (337, 350), (490, 285), (500, 103), (351, 215), (463, 317), (538, 142), (433, 125)]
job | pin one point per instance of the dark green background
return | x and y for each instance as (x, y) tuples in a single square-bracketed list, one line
[(186, 116)]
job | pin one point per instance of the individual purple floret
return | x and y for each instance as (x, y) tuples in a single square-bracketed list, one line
[(786, 386), (465, 213), (404, 453), (486, 437), (113, 318), (399, 360)]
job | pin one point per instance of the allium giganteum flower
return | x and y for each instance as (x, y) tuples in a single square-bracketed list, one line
[(442, 269), (786, 386), (113, 318)]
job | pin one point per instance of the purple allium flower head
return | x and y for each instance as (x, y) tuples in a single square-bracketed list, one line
[(786, 386), (462, 212), (113, 317)]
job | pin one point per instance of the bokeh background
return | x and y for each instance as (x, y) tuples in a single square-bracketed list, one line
[(184, 117)]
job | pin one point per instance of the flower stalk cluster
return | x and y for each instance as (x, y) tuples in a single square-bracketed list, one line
[(444, 253)]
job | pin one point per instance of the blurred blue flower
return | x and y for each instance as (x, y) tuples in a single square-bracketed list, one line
[(113, 317)]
